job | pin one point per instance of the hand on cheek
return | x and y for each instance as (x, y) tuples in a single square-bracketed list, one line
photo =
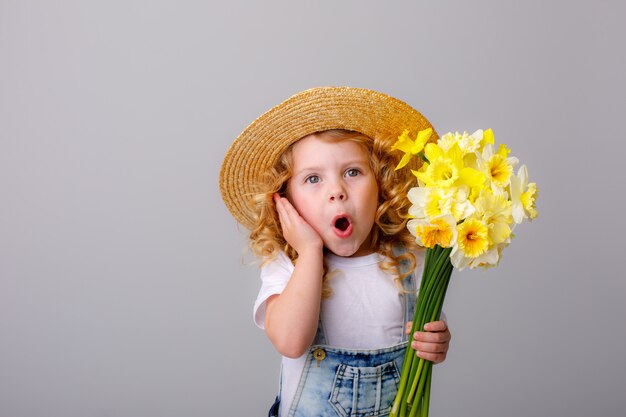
[(296, 231), (432, 344)]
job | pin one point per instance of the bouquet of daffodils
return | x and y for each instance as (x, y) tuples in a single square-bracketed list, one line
[(464, 209)]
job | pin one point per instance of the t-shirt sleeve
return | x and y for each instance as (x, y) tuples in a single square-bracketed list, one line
[(274, 277)]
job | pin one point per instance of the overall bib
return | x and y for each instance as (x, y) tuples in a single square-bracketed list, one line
[(337, 382)]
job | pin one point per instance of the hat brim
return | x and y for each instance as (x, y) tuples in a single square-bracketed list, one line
[(257, 148)]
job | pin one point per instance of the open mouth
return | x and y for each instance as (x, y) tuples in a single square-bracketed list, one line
[(342, 223), (342, 226)]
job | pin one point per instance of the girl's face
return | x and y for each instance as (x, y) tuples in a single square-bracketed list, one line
[(335, 191)]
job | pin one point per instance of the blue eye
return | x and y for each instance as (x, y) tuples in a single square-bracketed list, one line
[(313, 179), (352, 172)]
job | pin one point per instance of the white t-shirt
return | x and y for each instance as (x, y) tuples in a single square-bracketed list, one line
[(364, 311)]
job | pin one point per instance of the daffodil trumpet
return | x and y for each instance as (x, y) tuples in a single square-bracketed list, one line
[(464, 207)]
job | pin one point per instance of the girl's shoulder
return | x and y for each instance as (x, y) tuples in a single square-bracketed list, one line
[(280, 262)]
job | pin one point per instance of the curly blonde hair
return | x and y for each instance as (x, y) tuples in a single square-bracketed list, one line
[(389, 230)]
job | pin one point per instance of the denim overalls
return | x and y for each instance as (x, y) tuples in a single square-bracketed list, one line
[(350, 382)]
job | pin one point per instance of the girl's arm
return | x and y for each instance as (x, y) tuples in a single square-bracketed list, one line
[(291, 317)]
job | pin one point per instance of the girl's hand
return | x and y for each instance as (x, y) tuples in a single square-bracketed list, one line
[(296, 231), (432, 344)]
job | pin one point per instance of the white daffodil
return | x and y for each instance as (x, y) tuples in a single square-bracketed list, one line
[(448, 140), (431, 202), (417, 196), (487, 259), (523, 196), (467, 143), (471, 143)]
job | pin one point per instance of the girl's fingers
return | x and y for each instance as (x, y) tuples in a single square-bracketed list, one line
[(280, 208), (285, 208), (430, 347), (408, 326), (288, 207), (433, 357), (436, 326), (433, 343), (432, 337), (433, 326)]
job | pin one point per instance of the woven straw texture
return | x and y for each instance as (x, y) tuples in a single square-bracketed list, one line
[(263, 141)]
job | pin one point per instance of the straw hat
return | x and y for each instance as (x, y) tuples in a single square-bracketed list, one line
[(258, 147)]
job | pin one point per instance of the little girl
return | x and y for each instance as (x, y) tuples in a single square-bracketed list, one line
[(314, 181)]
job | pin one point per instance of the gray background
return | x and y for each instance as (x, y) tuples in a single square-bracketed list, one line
[(125, 289)]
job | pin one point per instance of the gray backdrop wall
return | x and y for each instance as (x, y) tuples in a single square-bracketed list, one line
[(124, 284)]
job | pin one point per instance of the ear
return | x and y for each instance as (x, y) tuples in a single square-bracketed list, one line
[(286, 192)]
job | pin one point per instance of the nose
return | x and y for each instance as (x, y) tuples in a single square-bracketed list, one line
[(339, 196), (337, 193)]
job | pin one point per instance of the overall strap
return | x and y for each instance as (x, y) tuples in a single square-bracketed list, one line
[(408, 298), (320, 336)]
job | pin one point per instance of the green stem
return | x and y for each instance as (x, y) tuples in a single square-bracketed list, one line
[(432, 304), (409, 357), (447, 273), (432, 311), (436, 313), (426, 294), (415, 378), (427, 256), (427, 393), (426, 290), (435, 277), (420, 387)]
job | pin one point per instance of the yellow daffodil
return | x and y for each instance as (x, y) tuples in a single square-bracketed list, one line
[(497, 167), (528, 200), (441, 172), (439, 231), (410, 147), (523, 196), (471, 243), (494, 209), (488, 138), (446, 169), (473, 239)]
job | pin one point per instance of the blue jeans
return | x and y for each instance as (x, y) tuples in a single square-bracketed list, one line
[(348, 383)]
